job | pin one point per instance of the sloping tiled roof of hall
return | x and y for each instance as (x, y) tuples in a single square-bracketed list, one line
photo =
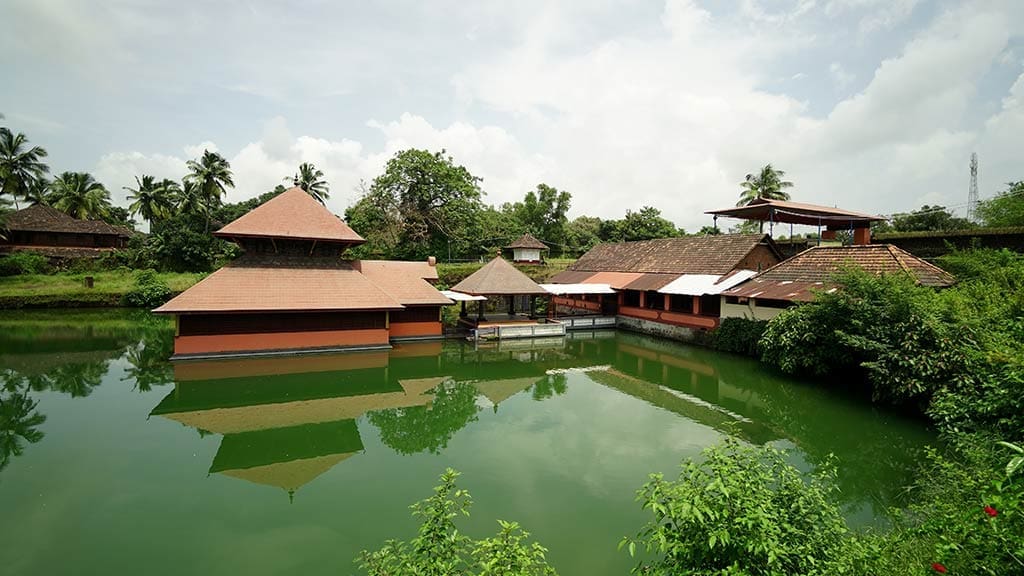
[(260, 283), (528, 241), (498, 277), (293, 214), (710, 254), (42, 218), (407, 282), (815, 267)]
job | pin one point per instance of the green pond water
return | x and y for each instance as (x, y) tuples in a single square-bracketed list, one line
[(128, 464)]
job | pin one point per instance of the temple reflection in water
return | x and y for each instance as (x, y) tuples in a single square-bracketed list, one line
[(285, 421)]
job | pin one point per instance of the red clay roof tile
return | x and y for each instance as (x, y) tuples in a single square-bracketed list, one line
[(293, 214), (713, 254)]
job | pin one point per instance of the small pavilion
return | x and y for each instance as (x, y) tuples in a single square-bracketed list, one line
[(527, 249), (497, 278), (785, 212)]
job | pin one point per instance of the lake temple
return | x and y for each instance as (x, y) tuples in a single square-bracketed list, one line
[(291, 290)]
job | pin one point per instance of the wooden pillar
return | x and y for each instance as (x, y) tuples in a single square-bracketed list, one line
[(462, 313), (643, 299), (621, 298), (668, 301), (696, 305), (480, 309), (511, 305)]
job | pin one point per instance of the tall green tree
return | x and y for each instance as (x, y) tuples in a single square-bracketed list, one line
[(152, 199), (582, 234), (1006, 209), (423, 204), (929, 218), (21, 165), (211, 175), (543, 213), (311, 179), (768, 184), (79, 195), (646, 224)]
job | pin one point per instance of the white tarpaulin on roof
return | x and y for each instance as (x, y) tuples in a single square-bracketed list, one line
[(559, 289), (701, 284), (460, 297)]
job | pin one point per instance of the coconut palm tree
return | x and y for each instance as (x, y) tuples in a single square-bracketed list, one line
[(79, 195), (39, 192), (212, 176), (21, 166), (768, 183), (187, 198), (310, 179), (151, 199)]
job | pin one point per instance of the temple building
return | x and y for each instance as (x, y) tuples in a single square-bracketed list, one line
[(52, 233), (527, 250), (291, 290), (668, 286), (798, 279)]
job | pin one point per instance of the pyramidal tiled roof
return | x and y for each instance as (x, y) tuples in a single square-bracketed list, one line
[(794, 279), (42, 218), (293, 214), (528, 241), (498, 277), (712, 254)]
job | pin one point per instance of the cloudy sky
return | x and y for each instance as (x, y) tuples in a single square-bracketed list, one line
[(872, 105)]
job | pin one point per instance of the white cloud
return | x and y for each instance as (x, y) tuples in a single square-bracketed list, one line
[(841, 79), (673, 116)]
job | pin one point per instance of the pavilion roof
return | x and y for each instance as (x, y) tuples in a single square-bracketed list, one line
[(259, 283), (43, 218), (795, 279), (293, 214), (528, 241), (765, 210), (406, 282), (710, 254), (498, 277)]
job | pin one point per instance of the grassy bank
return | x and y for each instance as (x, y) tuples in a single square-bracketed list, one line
[(69, 290)]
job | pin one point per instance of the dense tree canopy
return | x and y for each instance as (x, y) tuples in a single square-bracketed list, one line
[(645, 224), (423, 204), (543, 213), (1006, 209), (929, 218)]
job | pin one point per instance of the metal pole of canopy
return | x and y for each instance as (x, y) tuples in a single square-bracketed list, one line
[(771, 222), (819, 230)]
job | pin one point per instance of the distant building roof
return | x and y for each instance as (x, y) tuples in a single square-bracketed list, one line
[(295, 284), (42, 218), (765, 210), (498, 277), (293, 214), (812, 269), (711, 254), (528, 241), (406, 282)]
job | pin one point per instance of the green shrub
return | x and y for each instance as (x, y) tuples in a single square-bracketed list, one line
[(967, 514), (24, 263), (739, 335), (907, 341), (149, 291), (743, 510), (439, 549)]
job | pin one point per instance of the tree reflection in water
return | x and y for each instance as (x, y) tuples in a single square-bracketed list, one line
[(415, 429), (19, 419), (147, 359), (549, 387)]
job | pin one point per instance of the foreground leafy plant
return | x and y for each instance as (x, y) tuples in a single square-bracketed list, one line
[(440, 550), (741, 511)]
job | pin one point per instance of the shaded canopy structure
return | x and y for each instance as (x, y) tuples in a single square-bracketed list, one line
[(782, 211), (498, 278)]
